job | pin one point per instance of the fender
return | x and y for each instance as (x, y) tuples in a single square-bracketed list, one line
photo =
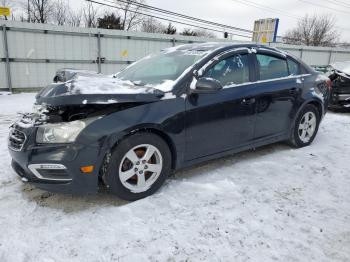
[(311, 100), (112, 141)]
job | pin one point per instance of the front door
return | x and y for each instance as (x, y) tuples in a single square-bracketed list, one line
[(223, 120)]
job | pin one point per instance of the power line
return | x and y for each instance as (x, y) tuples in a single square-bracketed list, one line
[(266, 8), (193, 23), (341, 4), (182, 15), (323, 6), (171, 19), (166, 19)]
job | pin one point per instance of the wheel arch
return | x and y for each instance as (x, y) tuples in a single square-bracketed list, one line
[(313, 101), (150, 129), (318, 105)]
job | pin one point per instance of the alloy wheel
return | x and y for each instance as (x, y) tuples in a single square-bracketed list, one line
[(307, 126), (140, 167)]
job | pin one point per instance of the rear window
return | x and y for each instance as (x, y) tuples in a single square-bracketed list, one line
[(271, 67)]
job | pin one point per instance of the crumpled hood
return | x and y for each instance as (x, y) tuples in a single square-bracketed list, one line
[(92, 88), (342, 68)]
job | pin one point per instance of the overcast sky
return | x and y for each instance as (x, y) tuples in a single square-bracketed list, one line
[(235, 13), (240, 13)]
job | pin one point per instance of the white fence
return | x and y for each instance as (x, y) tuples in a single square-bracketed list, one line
[(30, 54)]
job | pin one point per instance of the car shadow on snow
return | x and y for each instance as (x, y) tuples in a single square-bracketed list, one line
[(77, 203), (230, 160), (69, 203)]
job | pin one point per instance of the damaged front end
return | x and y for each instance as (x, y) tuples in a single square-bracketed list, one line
[(45, 146), (340, 77)]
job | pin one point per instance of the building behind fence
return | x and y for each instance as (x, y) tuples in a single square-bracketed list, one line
[(31, 53)]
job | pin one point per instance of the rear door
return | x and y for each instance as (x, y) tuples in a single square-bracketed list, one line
[(277, 91)]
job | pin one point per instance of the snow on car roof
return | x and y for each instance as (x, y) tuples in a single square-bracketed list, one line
[(208, 46)]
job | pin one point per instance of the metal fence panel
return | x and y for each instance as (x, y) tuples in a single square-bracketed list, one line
[(37, 75), (2, 54), (37, 51), (339, 57), (316, 57), (3, 82), (51, 46)]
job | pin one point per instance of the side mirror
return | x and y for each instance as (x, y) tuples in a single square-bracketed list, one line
[(207, 85)]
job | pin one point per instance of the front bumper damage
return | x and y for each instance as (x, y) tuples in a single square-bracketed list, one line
[(54, 168), (340, 94), (340, 100)]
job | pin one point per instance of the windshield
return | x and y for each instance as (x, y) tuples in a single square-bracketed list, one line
[(160, 70)]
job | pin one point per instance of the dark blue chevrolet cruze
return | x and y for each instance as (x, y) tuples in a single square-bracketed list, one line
[(169, 110)]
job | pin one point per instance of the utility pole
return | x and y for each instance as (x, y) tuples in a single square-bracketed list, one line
[(28, 10)]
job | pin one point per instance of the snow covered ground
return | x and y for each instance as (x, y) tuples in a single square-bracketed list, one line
[(272, 204)]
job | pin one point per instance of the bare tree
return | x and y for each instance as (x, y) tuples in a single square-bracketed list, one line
[(151, 25), (316, 30), (90, 14), (204, 33), (39, 11), (75, 17), (60, 12), (197, 32), (129, 13), (188, 32)]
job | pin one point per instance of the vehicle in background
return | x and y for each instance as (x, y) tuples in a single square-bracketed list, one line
[(65, 74), (340, 93), (182, 106)]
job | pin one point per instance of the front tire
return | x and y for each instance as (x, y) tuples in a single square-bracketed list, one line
[(305, 127), (138, 166)]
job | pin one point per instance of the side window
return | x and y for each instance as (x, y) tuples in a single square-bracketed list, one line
[(271, 67), (294, 68), (233, 70)]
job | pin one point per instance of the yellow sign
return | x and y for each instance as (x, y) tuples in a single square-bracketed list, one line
[(5, 11), (263, 39), (124, 53)]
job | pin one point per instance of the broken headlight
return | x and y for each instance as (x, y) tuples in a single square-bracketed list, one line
[(65, 132)]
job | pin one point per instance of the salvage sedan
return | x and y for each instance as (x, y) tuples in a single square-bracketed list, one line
[(182, 106), (340, 92)]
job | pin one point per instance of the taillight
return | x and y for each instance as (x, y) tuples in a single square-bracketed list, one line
[(329, 83)]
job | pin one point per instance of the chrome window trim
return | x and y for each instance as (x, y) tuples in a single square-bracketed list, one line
[(268, 80), (282, 78)]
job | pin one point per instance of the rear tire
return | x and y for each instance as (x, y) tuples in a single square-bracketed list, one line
[(138, 166), (305, 127)]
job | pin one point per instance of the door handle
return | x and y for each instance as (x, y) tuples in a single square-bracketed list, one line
[(248, 101), (293, 91)]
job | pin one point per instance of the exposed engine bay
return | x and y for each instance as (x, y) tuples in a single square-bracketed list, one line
[(66, 113), (340, 77)]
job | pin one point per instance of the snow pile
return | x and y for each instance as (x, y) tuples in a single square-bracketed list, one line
[(165, 86), (272, 204)]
